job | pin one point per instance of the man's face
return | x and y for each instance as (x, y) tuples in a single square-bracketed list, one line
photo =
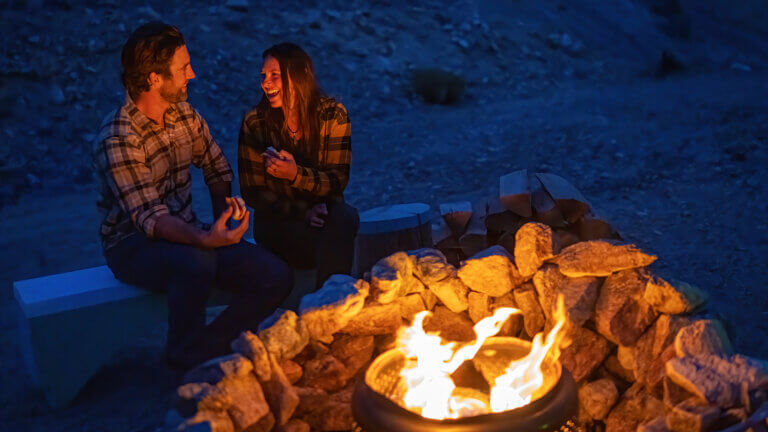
[(174, 87)]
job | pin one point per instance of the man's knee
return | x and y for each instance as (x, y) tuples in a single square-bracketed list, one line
[(188, 263)]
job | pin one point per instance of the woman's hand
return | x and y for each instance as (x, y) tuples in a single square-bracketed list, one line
[(281, 165)]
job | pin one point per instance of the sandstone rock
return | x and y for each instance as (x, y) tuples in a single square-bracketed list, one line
[(597, 398), (195, 397), (654, 348), (430, 265), (430, 299), (626, 356), (579, 294), (325, 372), (284, 334), (292, 370), (410, 305), (621, 313), (703, 337), (514, 324), (565, 238), (250, 346), (600, 258), (353, 351), (280, 394), (614, 367), (528, 302), (294, 425), (656, 425), (249, 409), (325, 412), (207, 421), (673, 394), (452, 292), (490, 271), (665, 298), (585, 353), (216, 369), (635, 407), (534, 244), (375, 319), (451, 326), (390, 277), (479, 306), (692, 416), (331, 308)]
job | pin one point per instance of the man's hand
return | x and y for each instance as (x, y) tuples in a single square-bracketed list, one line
[(281, 165), (315, 216), (220, 235)]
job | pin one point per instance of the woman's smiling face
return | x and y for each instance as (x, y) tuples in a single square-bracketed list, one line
[(272, 82)]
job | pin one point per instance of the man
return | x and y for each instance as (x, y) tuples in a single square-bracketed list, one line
[(149, 232)]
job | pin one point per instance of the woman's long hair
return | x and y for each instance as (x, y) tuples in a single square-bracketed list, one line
[(298, 76)]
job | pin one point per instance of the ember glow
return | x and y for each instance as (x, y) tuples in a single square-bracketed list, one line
[(430, 361)]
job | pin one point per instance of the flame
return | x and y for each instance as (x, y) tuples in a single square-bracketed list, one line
[(430, 361)]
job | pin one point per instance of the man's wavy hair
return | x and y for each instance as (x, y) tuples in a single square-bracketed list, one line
[(149, 49)]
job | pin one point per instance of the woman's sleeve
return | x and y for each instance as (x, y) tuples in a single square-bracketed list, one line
[(250, 167), (332, 177)]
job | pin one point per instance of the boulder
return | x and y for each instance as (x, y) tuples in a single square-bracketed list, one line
[(665, 298), (207, 421), (292, 370), (490, 271), (216, 369), (597, 398), (692, 416), (579, 294), (430, 265), (249, 409), (635, 408), (250, 346), (534, 244), (294, 425), (353, 351), (703, 337), (391, 277), (410, 305), (280, 394), (585, 353), (195, 397), (451, 326), (331, 308), (325, 372), (528, 302), (324, 412), (654, 348), (600, 258), (451, 292), (284, 334), (479, 306), (621, 313), (375, 319)]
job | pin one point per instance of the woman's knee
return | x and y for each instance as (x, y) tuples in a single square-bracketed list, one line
[(344, 218)]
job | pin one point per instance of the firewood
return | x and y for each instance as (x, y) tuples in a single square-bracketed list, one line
[(514, 192), (568, 199), (456, 215), (473, 240), (593, 227), (446, 242), (544, 206)]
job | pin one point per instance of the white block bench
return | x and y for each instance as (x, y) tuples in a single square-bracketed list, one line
[(72, 324)]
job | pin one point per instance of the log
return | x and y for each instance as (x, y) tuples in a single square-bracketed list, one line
[(456, 215), (474, 238), (388, 229), (446, 242), (515, 194), (499, 221), (568, 199), (544, 207), (593, 227)]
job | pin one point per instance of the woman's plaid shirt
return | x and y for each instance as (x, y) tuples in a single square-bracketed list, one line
[(321, 177), (143, 170)]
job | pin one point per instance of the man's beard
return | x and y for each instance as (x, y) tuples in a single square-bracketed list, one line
[(172, 95)]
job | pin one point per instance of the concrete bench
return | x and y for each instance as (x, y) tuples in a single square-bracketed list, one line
[(72, 324)]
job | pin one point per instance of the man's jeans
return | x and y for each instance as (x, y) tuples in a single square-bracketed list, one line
[(258, 279)]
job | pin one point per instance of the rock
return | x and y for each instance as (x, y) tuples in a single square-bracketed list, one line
[(430, 265), (249, 409), (514, 324), (656, 425), (325, 412), (280, 394), (250, 346), (195, 397), (626, 356), (565, 238), (325, 372), (691, 415), (527, 301), (585, 353), (390, 277), (703, 337), (717, 380), (490, 271), (479, 306), (736, 417), (579, 294), (331, 308), (614, 366), (375, 319), (654, 348), (207, 421), (452, 292), (600, 258), (430, 299), (534, 244), (597, 398), (294, 425), (284, 334), (353, 351), (410, 305), (670, 300), (635, 407), (673, 394), (621, 313), (216, 369), (451, 326), (292, 370)]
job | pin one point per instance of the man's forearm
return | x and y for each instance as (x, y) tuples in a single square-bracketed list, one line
[(219, 191), (174, 229)]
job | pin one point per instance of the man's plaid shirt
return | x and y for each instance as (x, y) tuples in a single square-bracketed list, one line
[(321, 177), (143, 170)]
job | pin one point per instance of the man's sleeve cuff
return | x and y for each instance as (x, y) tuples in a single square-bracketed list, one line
[(147, 220)]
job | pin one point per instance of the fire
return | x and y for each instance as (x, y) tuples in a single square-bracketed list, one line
[(430, 361)]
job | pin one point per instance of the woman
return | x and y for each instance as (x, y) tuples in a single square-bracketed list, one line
[(294, 153)]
